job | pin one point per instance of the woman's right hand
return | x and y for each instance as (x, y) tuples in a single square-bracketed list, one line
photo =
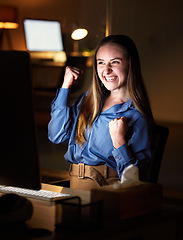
[(71, 76)]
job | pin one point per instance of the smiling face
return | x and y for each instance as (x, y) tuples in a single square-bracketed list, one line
[(112, 67)]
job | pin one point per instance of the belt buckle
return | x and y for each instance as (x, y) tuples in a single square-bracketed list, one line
[(81, 173)]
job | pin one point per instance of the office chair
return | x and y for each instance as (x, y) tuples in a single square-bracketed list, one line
[(161, 136)]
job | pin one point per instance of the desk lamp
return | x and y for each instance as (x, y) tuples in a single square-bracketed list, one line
[(77, 35), (8, 20)]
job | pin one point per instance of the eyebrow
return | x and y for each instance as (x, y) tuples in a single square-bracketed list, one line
[(116, 58)]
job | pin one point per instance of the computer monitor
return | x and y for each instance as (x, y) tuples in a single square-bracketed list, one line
[(44, 39), (19, 161)]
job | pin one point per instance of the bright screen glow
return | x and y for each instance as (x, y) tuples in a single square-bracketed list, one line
[(43, 35)]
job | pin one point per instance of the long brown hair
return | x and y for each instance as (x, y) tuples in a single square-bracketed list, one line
[(92, 103)]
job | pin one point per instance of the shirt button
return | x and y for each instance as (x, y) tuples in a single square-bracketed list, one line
[(117, 157)]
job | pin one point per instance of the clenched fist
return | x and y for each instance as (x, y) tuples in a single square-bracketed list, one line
[(71, 76), (118, 128)]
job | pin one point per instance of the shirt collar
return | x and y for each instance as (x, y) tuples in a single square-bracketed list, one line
[(122, 107)]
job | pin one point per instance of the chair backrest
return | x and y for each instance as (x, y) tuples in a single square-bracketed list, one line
[(161, 136)]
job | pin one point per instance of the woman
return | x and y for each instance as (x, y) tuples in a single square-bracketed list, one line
[(109, 127)]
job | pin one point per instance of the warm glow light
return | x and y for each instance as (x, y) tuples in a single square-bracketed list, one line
[(8, 17), (79, 34), (8, 25)]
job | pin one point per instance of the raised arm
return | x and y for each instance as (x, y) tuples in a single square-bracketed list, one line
[(63, 115)]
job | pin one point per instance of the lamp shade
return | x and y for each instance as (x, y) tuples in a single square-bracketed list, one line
[(8, 17)]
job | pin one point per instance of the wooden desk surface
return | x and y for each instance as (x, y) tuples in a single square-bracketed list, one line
[(161, 225), (45, 213)]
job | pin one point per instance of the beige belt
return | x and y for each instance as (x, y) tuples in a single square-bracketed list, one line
[(97, 173)]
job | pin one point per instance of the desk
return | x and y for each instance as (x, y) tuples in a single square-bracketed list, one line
[(161, 225), (47, 75), (44, 215)]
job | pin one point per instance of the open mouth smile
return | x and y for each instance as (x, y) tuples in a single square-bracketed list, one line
[(110, 79)]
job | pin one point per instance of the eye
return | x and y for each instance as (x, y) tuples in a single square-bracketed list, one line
[(115, 62), (100, 63)]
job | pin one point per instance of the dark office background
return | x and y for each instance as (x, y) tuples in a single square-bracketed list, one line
[(156, 28)]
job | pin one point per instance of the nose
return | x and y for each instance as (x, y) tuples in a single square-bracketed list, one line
[(108, 68)]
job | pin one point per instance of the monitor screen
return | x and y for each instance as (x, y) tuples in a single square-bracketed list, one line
[(43, 35), (19, 160)]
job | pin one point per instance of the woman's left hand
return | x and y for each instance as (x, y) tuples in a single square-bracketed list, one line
[(118, 128)]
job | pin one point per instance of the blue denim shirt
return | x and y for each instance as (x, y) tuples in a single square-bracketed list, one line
[(98, 148)]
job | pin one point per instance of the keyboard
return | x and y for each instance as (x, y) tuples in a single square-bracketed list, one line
[(36, 194)]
